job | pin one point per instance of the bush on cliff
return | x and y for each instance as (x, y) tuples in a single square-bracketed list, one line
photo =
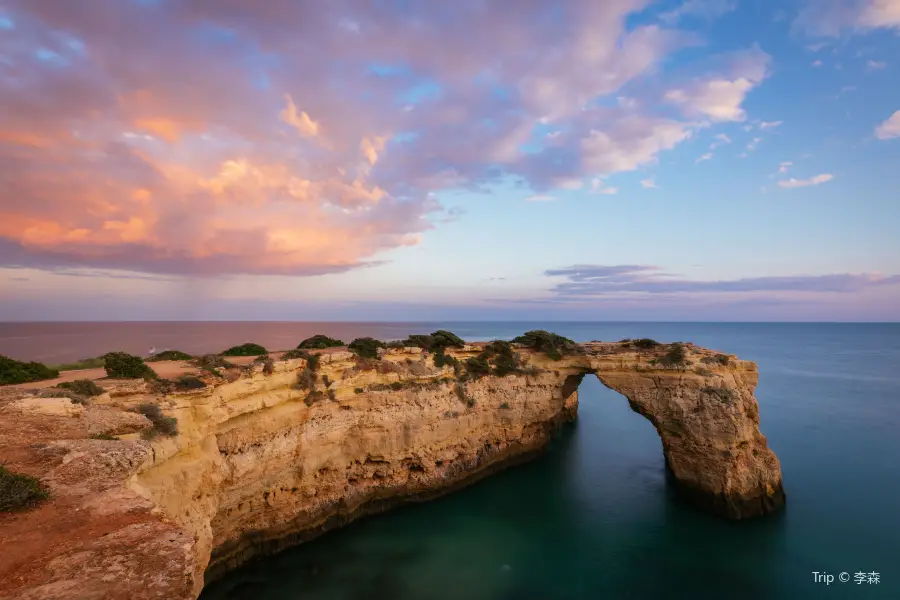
[(84, 363), (319, 342), (170, 355), (645, 343), (551, 344), (19, 491), (211, 363), (161, 424), (248, 349), (121, 365), (445, 339), (189, 382), (718, 359), (366, 347), (14, 371), (83, 387), (675, 356)]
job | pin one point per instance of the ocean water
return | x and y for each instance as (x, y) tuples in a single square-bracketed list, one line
[(595, 517)]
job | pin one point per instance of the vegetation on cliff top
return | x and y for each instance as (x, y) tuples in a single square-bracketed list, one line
[(85, 363), (645, 344), (248, 349), (170, 355), (83, 387), (14, 371), (19, 491), (161, 423), (319, 342), (212, 363), (551, 344), (121, 365), (366, 347)]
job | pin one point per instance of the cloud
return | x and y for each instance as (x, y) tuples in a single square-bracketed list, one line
[(890, 128), (302, 139), (817, 63), (720, 98), (770, 124), (796, 183), (752, 144), (831, 18), (702, 9), (704, 157), (598, 187), (875, 65), (540, 198), (601, 280), (783, 167), (649, 184), (720, 140)]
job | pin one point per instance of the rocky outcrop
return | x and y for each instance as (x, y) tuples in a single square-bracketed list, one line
[(261, 461)]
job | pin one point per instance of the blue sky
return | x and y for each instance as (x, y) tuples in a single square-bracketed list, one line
[(680, 160)]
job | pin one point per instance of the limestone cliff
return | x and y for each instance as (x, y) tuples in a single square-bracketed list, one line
[(262, 460)]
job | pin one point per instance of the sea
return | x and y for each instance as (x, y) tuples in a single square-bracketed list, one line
[(596, 516)]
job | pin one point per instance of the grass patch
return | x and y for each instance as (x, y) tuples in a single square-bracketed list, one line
[(19, 491), (162, 425), (85, 363), (551, 344), (121, 365), (14, 371), (104, 436), (319, 342), (248, 349), (170, 355), (366, 347), (82, 387)]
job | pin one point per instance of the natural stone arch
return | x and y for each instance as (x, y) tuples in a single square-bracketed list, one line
[(708, 422)]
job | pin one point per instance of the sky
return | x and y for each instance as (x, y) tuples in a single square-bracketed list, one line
[(700, 160)]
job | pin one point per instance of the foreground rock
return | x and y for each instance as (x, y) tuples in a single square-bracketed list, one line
[(260, 464)]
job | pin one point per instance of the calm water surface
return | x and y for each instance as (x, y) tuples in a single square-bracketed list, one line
[(595, 517)]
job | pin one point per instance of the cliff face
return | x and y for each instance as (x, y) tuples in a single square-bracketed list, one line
[(260, 464)]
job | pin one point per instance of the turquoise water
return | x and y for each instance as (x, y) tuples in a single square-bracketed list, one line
[(595, 516)]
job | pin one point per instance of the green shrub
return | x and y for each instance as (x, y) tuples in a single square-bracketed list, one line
[(505, 406), (85, 363), (14, 371), (63, 393), (366, 347), (445, 339), (396, 385), (441, 359), (318, 342), (675, 356), (293, 354), (188, 382), (170, 355), (425, 342), (551, 344), (313, 397), (312, 362), (120, 365), (306, 380), (212, 363), (358, 390), (625, 341), (104, 436), (82, 387), (161, 424), (19, 491), (477, 366), (718, 359), (645, 343), (248, 349), (332, 395)]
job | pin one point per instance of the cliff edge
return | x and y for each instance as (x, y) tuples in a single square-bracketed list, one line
[(279, 451)]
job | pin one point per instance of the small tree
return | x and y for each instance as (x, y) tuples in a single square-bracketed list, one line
[(121, 365), (366, 347), (318, 342), (248, 349), (83, 387)]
